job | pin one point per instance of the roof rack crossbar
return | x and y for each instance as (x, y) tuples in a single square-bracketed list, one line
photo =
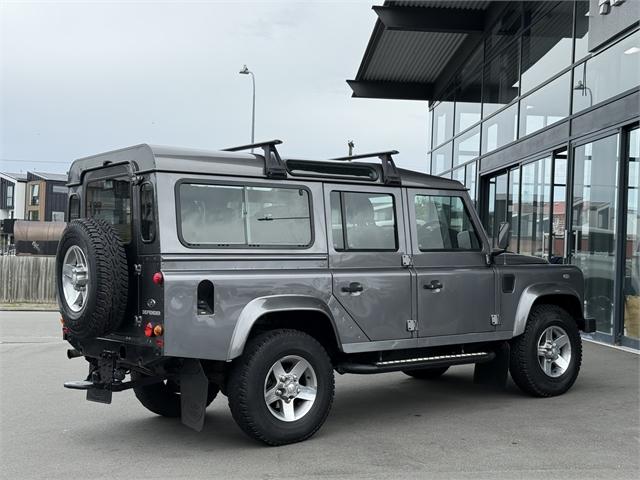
[(274, 167), (390, 173)]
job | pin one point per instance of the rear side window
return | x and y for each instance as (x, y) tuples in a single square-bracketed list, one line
[(443, 223), (147, 213), (110, 200), (363, 221), (74, 207), (228, 215)]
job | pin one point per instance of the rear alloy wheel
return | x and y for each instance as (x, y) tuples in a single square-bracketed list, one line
[(545, 359), (281, 389)]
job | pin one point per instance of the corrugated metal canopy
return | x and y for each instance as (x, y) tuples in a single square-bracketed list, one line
[(412, 44)]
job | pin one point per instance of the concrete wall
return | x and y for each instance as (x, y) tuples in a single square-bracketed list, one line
[(27, 279)]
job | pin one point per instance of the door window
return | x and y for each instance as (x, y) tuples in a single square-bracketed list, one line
[(363, 221), (443, 223)]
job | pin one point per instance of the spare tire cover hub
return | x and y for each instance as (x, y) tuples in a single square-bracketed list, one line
[(75, 277)]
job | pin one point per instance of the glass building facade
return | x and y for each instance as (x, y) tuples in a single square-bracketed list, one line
[(534, 124)]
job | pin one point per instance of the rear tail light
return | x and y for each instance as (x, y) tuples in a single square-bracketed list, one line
[(151, 330), (158, 278)]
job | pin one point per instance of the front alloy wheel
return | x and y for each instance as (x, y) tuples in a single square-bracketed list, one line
[(554, 351), (545, 360)]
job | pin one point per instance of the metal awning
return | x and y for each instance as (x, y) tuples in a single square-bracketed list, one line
[(416, 46)]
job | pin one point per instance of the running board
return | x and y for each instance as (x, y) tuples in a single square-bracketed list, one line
[(416, 363)]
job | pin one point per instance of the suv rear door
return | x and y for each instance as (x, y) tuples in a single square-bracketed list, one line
[(366, 244), (455, 287)]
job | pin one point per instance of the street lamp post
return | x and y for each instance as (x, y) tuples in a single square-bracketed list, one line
[(246, 71)]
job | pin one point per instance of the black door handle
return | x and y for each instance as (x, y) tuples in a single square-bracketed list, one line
[(353, 287), (434, 285)]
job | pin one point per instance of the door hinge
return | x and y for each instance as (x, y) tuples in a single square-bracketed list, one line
[(407, 260), (137, 269), (412, 325), (495, 319)]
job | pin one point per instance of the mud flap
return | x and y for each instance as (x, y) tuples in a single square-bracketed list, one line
[(494, 373), (193, 394)]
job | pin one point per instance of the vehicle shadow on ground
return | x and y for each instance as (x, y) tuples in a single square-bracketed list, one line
[(354, 403)]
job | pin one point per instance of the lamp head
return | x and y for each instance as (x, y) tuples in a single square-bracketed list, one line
[(244, 71)]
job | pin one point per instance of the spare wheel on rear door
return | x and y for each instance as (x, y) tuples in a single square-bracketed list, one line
[(92, 278)]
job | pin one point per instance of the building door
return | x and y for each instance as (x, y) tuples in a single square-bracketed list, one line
[(503, 205), (592, 239), (631, 283), (366, 247)]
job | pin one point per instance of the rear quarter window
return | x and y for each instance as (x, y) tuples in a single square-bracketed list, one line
[(212, 215)]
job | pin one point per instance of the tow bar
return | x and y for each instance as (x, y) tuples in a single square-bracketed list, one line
[(105, 377)]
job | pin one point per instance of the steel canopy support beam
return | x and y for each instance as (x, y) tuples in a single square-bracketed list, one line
[(391, 90), (431, 19)]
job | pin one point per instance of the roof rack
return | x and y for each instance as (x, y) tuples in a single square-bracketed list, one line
[(389, 170), (273, 165)]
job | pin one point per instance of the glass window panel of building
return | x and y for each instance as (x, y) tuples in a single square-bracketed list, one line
[(469, 92), (546, 46), (466, 147), (581, 45), (593, 230), (429, 128), (545, 106), (631, 286), (513, 216), (470, 180), (441, 159), (607, 74), (500, 129), (500, 79), (442, 122), (458, 174), (535, 207)]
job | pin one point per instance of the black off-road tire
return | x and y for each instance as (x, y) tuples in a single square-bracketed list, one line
[(245, 387), (164, 398), (426, 373), (524, 366), (107, 290)]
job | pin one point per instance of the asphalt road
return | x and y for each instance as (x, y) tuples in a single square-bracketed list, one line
[(381, 427)]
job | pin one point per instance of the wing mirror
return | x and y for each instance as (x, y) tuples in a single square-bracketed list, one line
[(504, 237)]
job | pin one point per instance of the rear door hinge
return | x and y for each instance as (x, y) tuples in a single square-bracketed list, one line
[(412, 325), (407, 260), (137, 269), (495, 319)]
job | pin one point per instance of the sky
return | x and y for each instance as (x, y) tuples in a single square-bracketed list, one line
[(79, 78)]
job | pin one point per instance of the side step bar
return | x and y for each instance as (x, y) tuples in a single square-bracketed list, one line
[(415, 363)]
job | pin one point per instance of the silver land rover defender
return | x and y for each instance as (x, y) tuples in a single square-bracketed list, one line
[(184, 273)]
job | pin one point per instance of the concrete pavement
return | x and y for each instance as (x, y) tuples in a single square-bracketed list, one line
[(385, 426)]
